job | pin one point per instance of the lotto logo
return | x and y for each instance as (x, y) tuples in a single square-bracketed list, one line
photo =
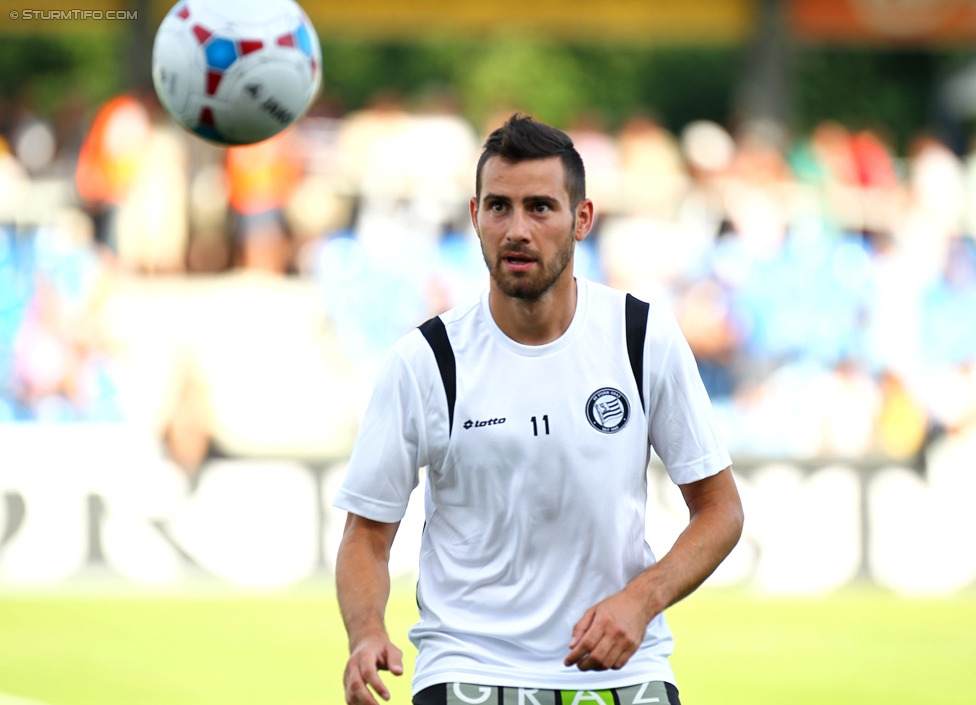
[(478, 424)]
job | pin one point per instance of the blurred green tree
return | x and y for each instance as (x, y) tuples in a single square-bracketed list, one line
[(43, 71), (557, 81)]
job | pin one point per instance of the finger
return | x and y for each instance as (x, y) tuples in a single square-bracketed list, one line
[(391, 659), (616, 658), (356, 691), (360, 696), (377, 684), (593, 665), (581, 626), (624, 656), (599, 657), (611, 649), (394, 660), (586, 643), (578, 653)]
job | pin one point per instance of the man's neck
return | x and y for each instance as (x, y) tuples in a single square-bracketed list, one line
[(538, 321)]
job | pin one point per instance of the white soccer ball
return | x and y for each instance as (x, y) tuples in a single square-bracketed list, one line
[(236, 71)]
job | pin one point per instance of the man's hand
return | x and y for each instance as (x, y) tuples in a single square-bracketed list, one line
[(608, 634), (611, 631), (363, 589), (362, 671)]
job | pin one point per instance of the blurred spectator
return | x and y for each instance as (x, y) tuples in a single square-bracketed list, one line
[(934, 209), (708, 151), (439, 150), (63, 366), (13, 184), (209, 245), (757, 191), (28, 136), (321, 204), (110, 157), (264, 244), (68, 124), (367, 143), (188, 437), (601, 156), (902, 423), (153, 219), (706, 315), (850, 405), (856, 173), (261, 180), (653, 176), (45, 361), (262, 177), (948, 307), (34, 145)]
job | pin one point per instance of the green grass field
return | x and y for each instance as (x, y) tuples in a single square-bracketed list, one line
[(860, 646)]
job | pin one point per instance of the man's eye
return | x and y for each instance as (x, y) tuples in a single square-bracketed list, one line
[(542, 208), (496, 207)]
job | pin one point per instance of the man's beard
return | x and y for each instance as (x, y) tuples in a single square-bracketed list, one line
[(531, 286)]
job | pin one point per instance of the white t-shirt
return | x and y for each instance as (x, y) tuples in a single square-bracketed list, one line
[(535, 502)]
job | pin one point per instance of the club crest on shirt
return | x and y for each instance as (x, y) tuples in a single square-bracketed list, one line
[(607, 410)]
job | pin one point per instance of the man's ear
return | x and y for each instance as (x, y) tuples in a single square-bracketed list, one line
[(473, 208), (584, 219)]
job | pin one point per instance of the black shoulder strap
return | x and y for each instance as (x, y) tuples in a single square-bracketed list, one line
[(635, 312), (436, 335)]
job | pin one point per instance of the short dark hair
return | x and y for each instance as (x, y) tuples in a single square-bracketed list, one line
[(523, 138)]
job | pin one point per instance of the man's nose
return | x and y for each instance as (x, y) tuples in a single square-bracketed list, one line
[(519, 229)]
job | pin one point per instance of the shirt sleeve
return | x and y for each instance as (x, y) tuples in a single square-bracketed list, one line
[(682, 426), (390, 447)]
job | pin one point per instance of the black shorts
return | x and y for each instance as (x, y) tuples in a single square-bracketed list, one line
[(470, 694)]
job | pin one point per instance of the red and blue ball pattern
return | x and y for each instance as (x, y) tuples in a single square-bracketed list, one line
[(221, 53)]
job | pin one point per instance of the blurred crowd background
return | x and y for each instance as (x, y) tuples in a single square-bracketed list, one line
[(236, 302), (828, 289)]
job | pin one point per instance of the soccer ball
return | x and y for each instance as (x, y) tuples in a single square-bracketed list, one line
[(236, 71)]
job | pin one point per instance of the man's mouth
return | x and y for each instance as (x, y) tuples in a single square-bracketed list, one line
[(517, 261)]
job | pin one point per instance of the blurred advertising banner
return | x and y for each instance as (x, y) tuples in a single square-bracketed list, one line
[(917, 22), (598, 20), (83, 502)]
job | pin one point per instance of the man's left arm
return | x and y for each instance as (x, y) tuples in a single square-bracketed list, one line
[(611, 631)]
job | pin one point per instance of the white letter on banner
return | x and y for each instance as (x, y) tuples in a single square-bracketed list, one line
[(641, 699), (485, 693)]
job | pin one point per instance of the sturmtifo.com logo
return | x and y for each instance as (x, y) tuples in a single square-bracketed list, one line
[(31, 15), (607, 410)]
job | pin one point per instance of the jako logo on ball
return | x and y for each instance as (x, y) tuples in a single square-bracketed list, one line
[(236, 71)]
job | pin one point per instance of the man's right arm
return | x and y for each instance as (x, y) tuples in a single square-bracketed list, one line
[(363, 590)]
